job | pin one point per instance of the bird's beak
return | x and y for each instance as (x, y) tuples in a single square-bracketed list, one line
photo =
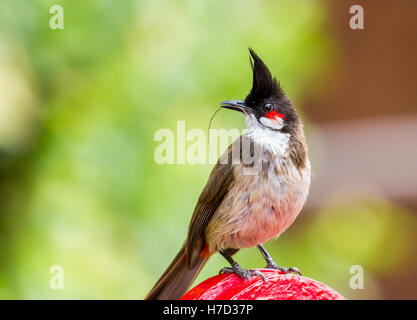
[(235, 105)]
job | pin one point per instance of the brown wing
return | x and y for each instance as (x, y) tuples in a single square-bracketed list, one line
[(212, 195)]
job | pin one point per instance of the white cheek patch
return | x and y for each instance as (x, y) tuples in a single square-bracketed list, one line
[(275, 124)]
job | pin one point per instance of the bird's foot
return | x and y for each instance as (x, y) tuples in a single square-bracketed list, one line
[(243, 273), (272, 265)]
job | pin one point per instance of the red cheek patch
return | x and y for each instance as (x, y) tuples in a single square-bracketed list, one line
[(274, 115)]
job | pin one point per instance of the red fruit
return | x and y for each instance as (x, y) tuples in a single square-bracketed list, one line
[(279, 286)]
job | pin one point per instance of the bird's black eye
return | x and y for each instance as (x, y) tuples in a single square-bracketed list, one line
[(268, 107)]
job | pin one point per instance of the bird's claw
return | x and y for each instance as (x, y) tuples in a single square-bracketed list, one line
[(272, 265), (243, 273)]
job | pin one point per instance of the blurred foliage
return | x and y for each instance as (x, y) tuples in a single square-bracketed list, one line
[(78, 111)]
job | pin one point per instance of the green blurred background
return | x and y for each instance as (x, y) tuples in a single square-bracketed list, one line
[(79, 108)]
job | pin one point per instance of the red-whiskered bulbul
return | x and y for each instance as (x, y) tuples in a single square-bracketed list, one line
[(239, 208)]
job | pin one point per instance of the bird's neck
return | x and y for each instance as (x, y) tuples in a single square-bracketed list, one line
[(270, 140), (285, 146)]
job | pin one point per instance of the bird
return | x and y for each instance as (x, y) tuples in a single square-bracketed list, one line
[(254, 193)]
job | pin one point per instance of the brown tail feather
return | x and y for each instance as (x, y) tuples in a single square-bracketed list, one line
[(175, 281)]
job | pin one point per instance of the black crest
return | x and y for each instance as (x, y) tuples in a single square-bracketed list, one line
[(264, 85)]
